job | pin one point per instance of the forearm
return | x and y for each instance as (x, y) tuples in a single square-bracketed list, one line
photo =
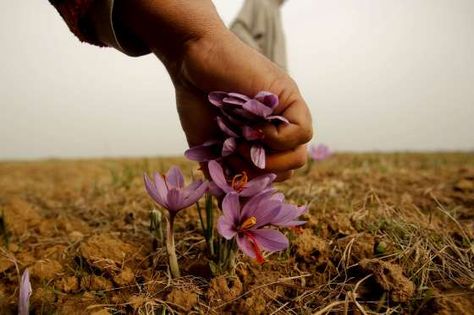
[(166, 27)]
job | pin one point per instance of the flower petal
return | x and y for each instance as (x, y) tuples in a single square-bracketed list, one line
[(152, 191), (254, 203), (266, 212), (257, 185), (287, 216), (25, 293), (225, 128), (207, 151), (257, 108), (257, 154), (215, 190), (271, 240), (231, 207), (277, 117), (225, 227), (229, 146), (252, 134), (195, 195), (245, 246), (175, 200), (175, 177), (216, 97), (242, 97), (267, 98), (218, 177)]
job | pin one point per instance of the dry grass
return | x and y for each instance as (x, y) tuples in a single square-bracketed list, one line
[(386, 234)]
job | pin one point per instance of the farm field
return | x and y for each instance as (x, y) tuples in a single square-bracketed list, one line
[(385, 234)]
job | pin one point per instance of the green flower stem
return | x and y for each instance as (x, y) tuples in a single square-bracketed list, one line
[(170, 247)]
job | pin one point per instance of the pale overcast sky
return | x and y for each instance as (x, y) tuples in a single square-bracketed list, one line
[(377, 74)]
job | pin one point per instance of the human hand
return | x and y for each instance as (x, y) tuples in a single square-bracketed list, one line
[(222, 62), (202, 55)]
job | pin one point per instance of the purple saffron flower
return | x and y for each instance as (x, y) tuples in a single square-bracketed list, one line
[(209, 150), (319, 152), (239, 184), (25, 293), (241, 107), (239, 114), (249, 224), (169, 191)]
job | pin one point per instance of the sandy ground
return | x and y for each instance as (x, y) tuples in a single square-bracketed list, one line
[(386, 233)]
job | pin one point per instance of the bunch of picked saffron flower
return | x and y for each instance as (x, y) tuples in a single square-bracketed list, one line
[(238, 117), (169, 192)]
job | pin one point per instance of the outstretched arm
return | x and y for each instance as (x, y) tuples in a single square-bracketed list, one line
[(202, 55)]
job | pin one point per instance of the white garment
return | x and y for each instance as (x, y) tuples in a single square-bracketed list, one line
[(259, 25)]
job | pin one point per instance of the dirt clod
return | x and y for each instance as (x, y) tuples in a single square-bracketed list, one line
[(106, 252), (223, 289), (46, 270), (390, 278), (310, 247), (185, 299)]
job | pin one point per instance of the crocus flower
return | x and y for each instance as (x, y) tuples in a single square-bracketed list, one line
[(25, 293), (239, 114), (239, 184), (169, 192), (319, 152), (250, 224)]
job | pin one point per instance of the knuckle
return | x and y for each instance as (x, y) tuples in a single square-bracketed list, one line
[(307, 134), (300, 159)]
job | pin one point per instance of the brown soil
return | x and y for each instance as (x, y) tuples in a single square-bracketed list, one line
[(386, 233)]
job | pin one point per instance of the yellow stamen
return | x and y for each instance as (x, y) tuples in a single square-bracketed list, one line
[(239, 181), (248, 223)]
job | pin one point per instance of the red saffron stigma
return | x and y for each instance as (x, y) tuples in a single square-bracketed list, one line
[(256, 249)]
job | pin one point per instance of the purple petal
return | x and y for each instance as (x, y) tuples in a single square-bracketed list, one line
[(229, 146), (287, 215), (257, 108), (233, 101), (225, 129), (278, 196), (218, 177), (271, 240), (153, 191), (277, 117), (196, 194), (207, 151), (257, 185), (242, 97), (215, 190), (319, 152), (216, 97), (257, 154), (254, 203), (267, 98), (161, 186), (252, 134), (225, 227), (175, 177), (25, 293), (231, 118), (245, 246), (265, 213), (231, 207), (175, 200)]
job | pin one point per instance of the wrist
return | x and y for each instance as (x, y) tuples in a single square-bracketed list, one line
[(168, 27)]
